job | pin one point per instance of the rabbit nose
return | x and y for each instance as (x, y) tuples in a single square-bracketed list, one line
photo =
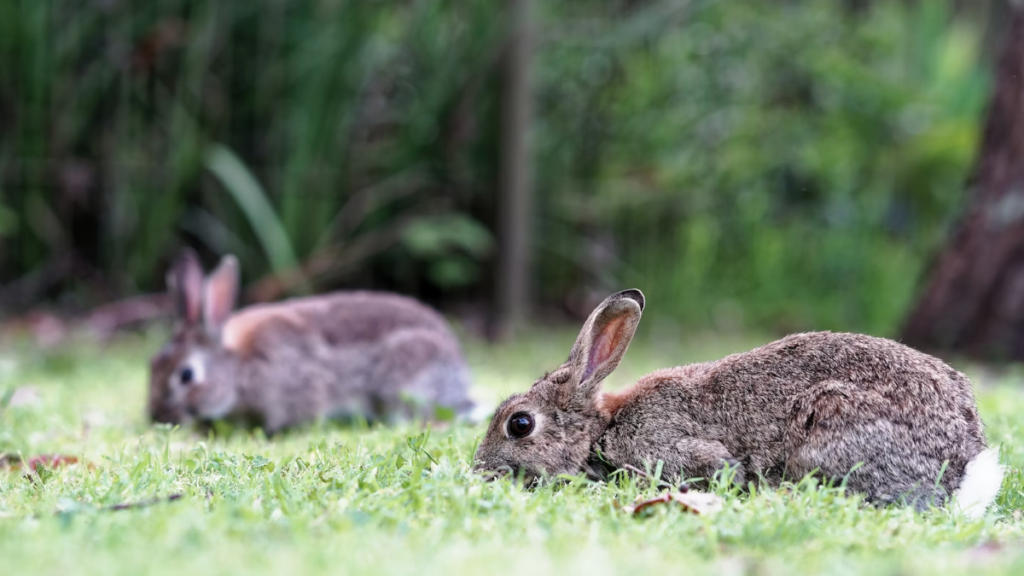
[(501, 472), (166, 415)]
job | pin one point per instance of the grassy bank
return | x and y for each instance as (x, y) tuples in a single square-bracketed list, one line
[(396, 501)]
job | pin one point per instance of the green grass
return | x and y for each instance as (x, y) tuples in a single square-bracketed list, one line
[(328, 500)]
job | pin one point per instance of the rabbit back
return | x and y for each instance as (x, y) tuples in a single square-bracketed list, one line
[(340, 319), (823, 402), (356, 354)]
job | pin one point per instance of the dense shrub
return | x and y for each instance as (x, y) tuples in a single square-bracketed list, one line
[(785, 165)]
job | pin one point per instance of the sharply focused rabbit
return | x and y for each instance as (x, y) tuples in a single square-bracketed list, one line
[(359, 354), (896, 424)]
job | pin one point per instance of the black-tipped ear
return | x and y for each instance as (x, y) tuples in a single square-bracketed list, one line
[(632, 294), (185, 284), (603, 341), (220, 293)]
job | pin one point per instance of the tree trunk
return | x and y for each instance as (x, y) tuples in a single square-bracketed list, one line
[(513, 273), (973, 301)]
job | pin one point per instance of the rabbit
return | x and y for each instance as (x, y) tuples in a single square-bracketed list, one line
[(896, 424), (365, 355)]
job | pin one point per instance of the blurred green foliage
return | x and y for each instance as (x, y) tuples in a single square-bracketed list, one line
[(783, 164), (786, 165), (271, 129)]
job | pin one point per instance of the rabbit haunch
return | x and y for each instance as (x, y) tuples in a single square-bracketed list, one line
[(895, 424), (356, 354)]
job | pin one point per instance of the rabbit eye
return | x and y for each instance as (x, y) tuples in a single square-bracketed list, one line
[(520, 425), (187, 375)]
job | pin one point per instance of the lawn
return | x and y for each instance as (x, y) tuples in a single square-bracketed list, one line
[(330, 500)]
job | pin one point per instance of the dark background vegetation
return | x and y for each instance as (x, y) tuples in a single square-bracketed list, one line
[(776, 165)]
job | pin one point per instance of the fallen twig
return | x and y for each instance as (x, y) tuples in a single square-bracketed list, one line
[(143, 503), (104, 322), (328, 261), (107, 320)]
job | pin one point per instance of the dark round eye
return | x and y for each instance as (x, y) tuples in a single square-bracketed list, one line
[(187, 375), (520, 425)]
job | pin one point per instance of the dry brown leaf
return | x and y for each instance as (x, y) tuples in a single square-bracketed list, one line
[(700, 503), (15, 462)]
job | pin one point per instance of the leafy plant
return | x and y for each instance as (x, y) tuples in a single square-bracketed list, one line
[(776, 164), (786, 165)]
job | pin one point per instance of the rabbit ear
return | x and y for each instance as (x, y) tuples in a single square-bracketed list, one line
[(220, 293), (185, 284), (603, 340)]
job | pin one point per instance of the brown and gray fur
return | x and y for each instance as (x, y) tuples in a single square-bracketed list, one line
[(896, 424), (365, 355)]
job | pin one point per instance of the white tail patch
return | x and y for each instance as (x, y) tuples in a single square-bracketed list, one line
[(982, 479)]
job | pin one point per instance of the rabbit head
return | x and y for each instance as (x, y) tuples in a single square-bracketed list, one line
[(193, 375), (549, 430)]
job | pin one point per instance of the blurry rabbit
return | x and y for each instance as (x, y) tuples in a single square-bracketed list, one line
[(356, 354), (896, 424)]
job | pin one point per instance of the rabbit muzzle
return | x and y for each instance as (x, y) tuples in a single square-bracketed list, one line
[(492, 475), (527, 478), (167, 415)]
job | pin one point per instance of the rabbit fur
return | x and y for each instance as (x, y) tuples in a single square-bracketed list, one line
[(896, 424), (365, 355)]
